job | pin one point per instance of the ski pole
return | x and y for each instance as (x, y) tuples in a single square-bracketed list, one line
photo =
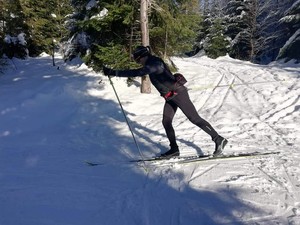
[(127, 121)]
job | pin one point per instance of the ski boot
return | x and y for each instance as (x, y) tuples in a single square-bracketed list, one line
[(220, 144), (174, 151)]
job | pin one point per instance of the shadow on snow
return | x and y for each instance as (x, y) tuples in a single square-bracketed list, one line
[(51, 125)]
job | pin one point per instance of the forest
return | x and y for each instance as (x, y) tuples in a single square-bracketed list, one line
[(106, 31)]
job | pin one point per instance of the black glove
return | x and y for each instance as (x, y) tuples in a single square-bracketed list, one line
[(108, 72)]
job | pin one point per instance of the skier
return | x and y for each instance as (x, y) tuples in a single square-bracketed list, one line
[(175, 94)]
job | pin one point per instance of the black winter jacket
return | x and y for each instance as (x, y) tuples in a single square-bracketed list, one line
[(159, 73)]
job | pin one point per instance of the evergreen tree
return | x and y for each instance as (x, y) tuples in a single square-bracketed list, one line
[(216, 43), (32, 25), (257, 35), (2, 26), (268, 31), (174, 26), (172, 30), (292, 21), (13, 29), (241, 27), (46, 22), (272, 34), (212, 38), (100, 29)]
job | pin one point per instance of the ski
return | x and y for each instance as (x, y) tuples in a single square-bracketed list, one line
[(188, 159), (232, 156), (153, 159), (90, 163), (185, 159), (160, 158)]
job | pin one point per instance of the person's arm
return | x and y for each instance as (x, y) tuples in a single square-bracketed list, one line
[(156, 68), (134, 72)]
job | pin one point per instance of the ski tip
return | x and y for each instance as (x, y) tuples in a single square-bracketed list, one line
[(91, 163)]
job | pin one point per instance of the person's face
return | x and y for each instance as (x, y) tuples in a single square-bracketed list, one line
[(142, 60)]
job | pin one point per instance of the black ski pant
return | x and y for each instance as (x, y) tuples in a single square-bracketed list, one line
[(182, 101)]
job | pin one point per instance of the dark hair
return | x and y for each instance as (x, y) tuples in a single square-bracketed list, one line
[(140, 52)]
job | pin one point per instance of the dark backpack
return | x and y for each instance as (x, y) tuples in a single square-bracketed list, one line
[(180, 79)]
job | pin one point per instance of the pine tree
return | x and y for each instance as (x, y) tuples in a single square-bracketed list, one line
[(174, 26), (13, 29), (241, 28), (100, 29), (2, 25), (272, 34), (292, 20), (212, 38), (172, 30), (46, 22), (269, 31), (216, 44)]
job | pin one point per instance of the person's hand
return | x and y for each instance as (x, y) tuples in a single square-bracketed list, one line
[(108, 71)]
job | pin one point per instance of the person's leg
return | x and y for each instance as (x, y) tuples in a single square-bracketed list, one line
[(183, 101), (168, 115)]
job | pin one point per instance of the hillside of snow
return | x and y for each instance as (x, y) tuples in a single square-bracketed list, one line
[(52, 119)]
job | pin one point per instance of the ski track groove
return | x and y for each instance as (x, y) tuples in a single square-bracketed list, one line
[(231, 87), (223, 76), (197, 175), (279, 132), (223, 99), (284, 108), (258, 118), (225, 73), (287, 185), (293, 186), (249, 86), (267, 100)]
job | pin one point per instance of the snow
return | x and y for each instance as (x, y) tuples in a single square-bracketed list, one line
[(13, 15), (91, 4), (103, 13), (20, 39), (52, 120)]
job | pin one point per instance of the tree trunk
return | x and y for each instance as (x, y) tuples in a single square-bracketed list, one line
[(146, 84)]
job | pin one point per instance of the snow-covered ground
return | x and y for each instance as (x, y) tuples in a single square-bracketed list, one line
[(52, 120)]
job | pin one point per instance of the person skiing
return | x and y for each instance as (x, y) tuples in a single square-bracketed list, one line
[(175, 94)]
